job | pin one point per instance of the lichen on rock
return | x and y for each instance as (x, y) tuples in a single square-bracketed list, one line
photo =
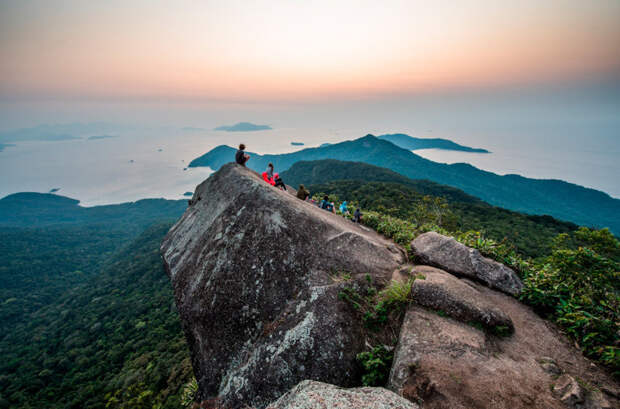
[(250, 266)]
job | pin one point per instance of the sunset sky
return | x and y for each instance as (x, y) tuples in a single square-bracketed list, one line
[(299, 50)]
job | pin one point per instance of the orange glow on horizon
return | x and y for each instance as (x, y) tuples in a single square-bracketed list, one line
[(290, 51)]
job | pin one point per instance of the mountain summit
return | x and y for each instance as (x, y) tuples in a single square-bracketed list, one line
[(273, 291)]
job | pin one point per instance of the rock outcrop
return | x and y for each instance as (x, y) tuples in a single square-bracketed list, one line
[(257, 277), (458, 299), (318, 395), (448, 254), (251, 267), (443, 362)]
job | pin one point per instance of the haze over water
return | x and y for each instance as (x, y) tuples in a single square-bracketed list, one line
[(537, 83), (554, 142)]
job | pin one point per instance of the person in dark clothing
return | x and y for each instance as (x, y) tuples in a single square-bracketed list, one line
[(241, 157), (302, 193), (326, 205), (279, 182), (357, 216)]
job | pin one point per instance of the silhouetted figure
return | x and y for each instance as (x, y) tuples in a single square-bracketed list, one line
[(241, 157)]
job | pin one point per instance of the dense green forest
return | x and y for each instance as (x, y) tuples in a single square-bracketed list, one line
[(382, 190), (88, 316), (113, 340)]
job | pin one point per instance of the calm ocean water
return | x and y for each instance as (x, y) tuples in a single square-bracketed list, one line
[(152, 164)]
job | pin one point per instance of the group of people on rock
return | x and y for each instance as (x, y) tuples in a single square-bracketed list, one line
[(269, 176), (274, 179), (325, 204)]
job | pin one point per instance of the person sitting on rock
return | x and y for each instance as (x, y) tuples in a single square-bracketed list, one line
[(343, 208), (357, 216), (241, 157), (326, 205), (278, 182), (302, 193), (268, 175), (270, 171)]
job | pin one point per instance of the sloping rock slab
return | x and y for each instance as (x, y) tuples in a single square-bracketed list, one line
[(251, 270), (444, 292), (444, 363), (448, 254), (318, 395), (314, 338)]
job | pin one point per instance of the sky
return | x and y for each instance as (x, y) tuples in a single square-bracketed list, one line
[(278, 51), (535, 81)]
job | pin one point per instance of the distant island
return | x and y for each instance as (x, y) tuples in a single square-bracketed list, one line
[(5, 145), (55, 132), (188, 194), (54, 190), (94, 137), (243, 127), (297, 143), (412, 143)]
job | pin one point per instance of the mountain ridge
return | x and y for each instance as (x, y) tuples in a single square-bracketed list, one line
[(560, 199), (412, 143)]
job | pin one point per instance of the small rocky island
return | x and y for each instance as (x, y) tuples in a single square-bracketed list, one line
[(270, 290), (243, 127)]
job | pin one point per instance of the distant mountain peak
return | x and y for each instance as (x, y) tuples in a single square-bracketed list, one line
[(412, 143)]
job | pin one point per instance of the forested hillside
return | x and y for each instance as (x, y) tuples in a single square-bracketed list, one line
[(382, 190), (87, 316), (560, 199), (109, 342)]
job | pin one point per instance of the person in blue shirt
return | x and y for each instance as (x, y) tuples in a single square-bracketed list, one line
[(343, 208), (326, 205)]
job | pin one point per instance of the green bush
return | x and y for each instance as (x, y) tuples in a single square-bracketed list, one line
[(580, 289), (577, 285), (377, 364)]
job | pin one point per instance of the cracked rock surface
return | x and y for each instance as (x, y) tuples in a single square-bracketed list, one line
[(251, 267), (448, 254)]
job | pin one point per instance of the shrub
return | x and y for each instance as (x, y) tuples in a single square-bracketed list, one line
[(188, 395), (580, 289), (377, 363), (577, 285)]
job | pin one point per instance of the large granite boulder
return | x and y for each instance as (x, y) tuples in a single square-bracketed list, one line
[(318, 395), (442, 361), (252, 270), (458, 299), (448, 254)]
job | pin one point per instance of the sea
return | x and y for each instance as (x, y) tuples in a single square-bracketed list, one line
[(571, 135), (154, 163)]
